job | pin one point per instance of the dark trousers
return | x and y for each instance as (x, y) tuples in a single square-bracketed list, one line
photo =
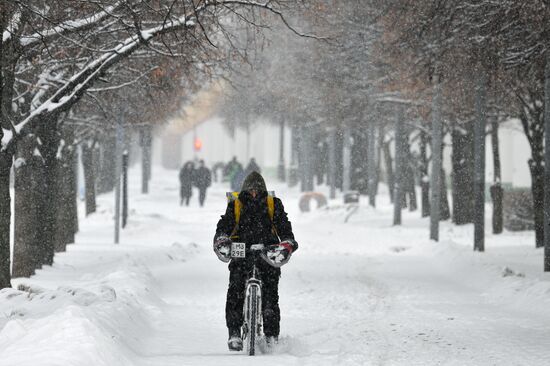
[(238, 274), (186, 200), (202, 196), (185, 195)]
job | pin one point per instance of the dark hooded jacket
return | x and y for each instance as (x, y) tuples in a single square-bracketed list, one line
[(255, 225), (186, 179)]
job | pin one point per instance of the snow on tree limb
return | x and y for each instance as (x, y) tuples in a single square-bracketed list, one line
[(13, 24), (69, 26), (6, 138), (123, 85), (72, 90)]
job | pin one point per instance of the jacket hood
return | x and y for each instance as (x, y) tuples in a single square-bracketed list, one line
[(255, 181)]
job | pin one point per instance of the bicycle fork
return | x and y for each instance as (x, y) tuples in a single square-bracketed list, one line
[(252, 326)]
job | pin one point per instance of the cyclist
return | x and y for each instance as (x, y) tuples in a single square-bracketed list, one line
[(257, 224)]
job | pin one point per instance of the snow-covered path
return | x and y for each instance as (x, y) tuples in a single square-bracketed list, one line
[(356, 293)]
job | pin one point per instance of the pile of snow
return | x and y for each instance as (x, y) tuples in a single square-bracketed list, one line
[(93, 321), (358, 291)]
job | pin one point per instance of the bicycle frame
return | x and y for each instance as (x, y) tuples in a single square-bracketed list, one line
[(252, 328), (252, 309)]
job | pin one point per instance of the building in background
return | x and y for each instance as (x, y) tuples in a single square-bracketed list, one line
[(220, 145), (202, 134)]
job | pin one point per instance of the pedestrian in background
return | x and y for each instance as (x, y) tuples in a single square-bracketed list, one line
[(231, 169), (237, 179), (203, 180), (186, 182), (252, 167)]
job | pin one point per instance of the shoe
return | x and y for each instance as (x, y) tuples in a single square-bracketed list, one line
[(271, 341), (235, 342), (270, 344)]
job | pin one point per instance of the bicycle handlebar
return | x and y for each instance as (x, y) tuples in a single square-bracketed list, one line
[(257, 248), (261, 250)]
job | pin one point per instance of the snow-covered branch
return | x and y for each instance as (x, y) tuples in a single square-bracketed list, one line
[(68, 26), (123, 85), (13, 25), (103, 55)]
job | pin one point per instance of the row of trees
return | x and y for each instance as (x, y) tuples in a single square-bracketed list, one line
[(478, 61), (72, 74), (400, 75)]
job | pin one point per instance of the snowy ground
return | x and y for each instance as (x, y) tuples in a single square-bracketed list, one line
[(356, 293)]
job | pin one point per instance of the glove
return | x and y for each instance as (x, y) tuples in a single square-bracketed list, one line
[(290, 244), (279, 254), (222, 248)]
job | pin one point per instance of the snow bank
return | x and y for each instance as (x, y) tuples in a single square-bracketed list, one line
[(71, 324), (359, 291)]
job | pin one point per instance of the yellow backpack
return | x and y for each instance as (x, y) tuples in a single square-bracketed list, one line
[(234, 196)]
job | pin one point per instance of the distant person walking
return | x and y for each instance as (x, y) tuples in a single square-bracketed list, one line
[(234, 173), (252, 167), (186, 182), (231, 168), (237, 179), (203, 180)]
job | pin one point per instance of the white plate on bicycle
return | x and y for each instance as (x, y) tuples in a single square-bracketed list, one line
[(238, 250)]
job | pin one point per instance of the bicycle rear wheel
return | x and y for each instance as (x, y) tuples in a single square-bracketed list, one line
[(252, 321)]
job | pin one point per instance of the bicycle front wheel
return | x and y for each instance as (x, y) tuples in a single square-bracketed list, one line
[(252, 321)]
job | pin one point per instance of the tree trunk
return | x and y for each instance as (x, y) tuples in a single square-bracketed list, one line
[(547, 164), (6, 159), (146, 143), (310, 167), (410, 180), (28, 206), (124, 188), (106, 182), (534, 130), (332, 163), (380, 150), (146, 168), (389, 170), (444, 210), (424, 178), (346, 177), (88, 165), (371, 162), (50, 145), (66, 195), (537, 190), (119, 140), (294, 156), (462, 173), (399, 166), (359, 160), (496, 189), (320, 151), (306, 160), (437, 144), (74, 188), (281, 167), (479, 164), (339, 181)]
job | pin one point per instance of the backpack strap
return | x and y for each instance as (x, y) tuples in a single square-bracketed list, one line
[(271, 212), (237, 213), (237, 210), (270, 207)]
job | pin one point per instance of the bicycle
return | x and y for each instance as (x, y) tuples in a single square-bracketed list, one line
[(252, 309)]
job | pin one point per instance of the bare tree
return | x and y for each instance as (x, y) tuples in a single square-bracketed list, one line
[(53, 54)]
